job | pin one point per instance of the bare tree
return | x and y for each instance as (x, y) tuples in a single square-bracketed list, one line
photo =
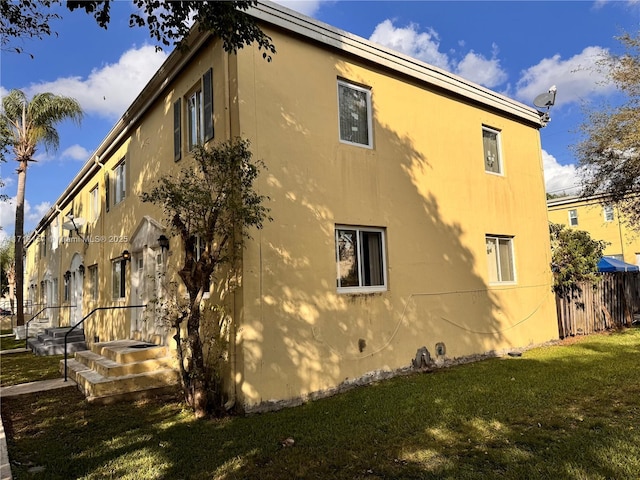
[(609, 152)]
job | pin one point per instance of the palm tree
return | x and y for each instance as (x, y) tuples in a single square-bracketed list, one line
[(28, 124)]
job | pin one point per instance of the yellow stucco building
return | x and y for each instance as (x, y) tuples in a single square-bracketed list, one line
[(408, 210), (603, 222)]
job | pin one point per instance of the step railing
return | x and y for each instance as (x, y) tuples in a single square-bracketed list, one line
[(26, 325), (119, 307)]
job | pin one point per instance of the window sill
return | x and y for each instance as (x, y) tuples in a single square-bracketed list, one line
[(355, 291), (503, 284), (355, 144)]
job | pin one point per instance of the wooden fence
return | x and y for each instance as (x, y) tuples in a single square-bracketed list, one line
[(611, 303)]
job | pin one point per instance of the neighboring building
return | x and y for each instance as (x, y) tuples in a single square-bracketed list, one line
[(408, 208), (603, 222)]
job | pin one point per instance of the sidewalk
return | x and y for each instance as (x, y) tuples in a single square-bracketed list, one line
[(15, 350), (22, 389)]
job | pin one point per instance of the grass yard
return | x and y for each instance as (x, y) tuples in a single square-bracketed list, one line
[(19, 368), (9, 342), (561, 412), (16, 368)]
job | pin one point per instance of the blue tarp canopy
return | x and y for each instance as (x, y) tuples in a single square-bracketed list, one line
[(609, 264)]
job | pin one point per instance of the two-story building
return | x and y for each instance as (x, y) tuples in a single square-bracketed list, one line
[(604, 221), (408, 210)]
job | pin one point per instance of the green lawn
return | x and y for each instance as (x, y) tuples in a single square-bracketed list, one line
[(26, 367), (9, 342), (561, 412)]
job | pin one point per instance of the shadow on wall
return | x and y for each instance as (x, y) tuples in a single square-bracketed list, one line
[(312, 338)]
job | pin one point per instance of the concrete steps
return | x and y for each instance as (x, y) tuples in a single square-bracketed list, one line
[(51, 341), (123, 369)]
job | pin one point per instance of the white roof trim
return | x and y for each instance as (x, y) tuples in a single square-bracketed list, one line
[(334, 37), (309, 28)]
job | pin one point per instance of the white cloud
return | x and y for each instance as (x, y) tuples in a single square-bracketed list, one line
[(479, 69), (38, 212), (425, 46), (108, 90), (76, 152), (421, 45), (558, 178), (8, 215), (576, 78), (31, 215), (306, 7)]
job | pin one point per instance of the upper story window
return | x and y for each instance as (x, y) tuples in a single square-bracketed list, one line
[(42, 246), (608, 213), (491, 148), (94, 204), (115, 185), (199, 113), (119, 182), (573, 218), (354, 111), (361, 259), (195, 119), (500, 259)]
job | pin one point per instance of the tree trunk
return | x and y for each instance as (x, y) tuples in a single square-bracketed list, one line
[(198, 390), (19, 242)]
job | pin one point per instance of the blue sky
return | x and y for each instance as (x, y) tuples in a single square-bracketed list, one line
[(516, 48)]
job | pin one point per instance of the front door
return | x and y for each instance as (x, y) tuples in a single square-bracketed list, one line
[(146, 284), (138, 297)]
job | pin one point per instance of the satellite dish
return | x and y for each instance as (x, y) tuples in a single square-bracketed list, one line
[(73, 223), (545, 100)]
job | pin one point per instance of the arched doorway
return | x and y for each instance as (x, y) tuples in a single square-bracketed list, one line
[(148, 264)]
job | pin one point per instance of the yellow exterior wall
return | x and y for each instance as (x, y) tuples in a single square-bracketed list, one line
[(148, 153), (424, 182), (622, 240)]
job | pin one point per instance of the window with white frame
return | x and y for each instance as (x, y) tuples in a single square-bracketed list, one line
[(573, 218), (195, 118), (500, 259), (354, 111), (608, 213), (93, 281), (54, 293), (66, 288), (491, 148), (198, 247), (361, 259), (118, 278), (119, 182), (94, 204), (199, 105), (55, 233)]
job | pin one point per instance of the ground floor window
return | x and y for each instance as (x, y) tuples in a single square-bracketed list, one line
[(117, 277), (93, 281), (500, 259), (361, 259)]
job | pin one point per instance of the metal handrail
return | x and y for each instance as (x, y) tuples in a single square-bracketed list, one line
[(82, 321), (26, 325)]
